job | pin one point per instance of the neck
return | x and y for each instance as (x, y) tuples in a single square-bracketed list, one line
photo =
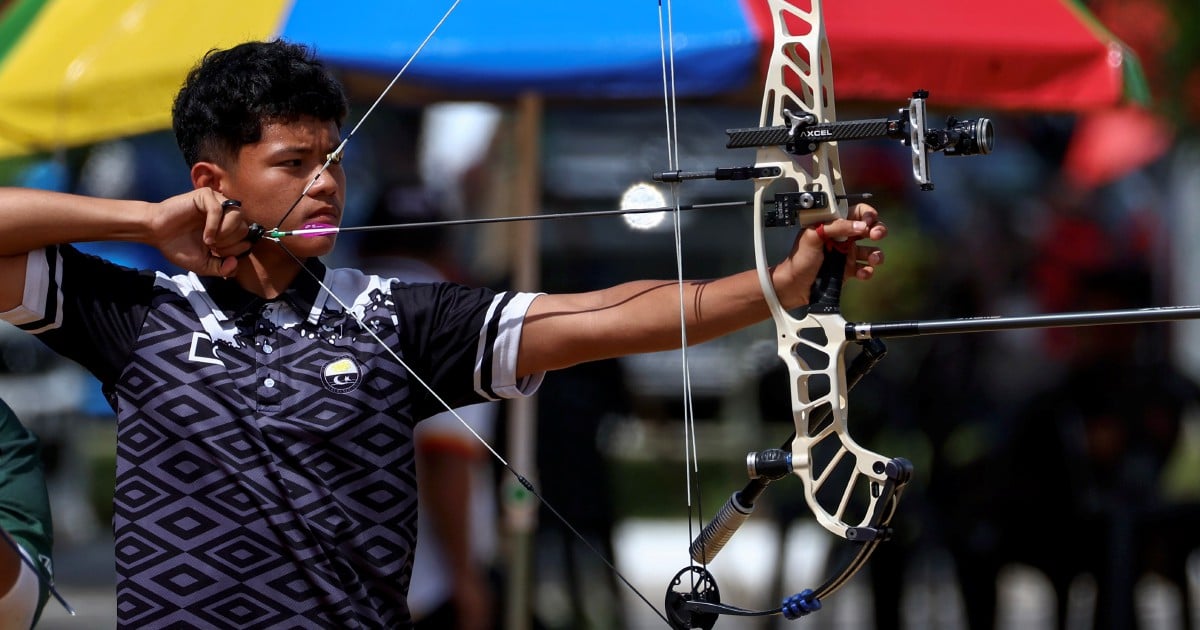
[(267, 276)]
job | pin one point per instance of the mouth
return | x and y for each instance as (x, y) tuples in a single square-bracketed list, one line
[(321, 224), (324, 220)]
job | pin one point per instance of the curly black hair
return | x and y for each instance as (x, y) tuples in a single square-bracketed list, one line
[(228, 96)]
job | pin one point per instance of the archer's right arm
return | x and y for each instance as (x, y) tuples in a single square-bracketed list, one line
[(191, 230)]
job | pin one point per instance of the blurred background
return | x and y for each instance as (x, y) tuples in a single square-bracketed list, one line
[(1058, 471)]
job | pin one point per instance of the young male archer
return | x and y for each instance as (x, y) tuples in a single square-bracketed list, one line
[(265, 402)]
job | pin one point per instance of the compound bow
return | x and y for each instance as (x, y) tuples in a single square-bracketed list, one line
[(798, 183)]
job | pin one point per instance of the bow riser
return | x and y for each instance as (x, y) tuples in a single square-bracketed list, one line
[(800, 82)]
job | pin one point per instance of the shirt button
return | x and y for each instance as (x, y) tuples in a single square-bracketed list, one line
[(270, 382), (267, 348)]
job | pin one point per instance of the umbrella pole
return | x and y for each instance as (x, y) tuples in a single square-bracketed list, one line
[(520, 507)]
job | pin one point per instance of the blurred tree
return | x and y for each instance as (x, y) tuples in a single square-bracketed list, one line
[(1165, 34), (1183, 63)]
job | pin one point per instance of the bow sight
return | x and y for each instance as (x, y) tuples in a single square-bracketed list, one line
[(803, 134)]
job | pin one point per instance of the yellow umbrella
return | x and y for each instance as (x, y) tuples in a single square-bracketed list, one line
[(74, 72)]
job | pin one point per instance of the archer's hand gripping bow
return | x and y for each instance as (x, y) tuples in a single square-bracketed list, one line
[(797, 165)]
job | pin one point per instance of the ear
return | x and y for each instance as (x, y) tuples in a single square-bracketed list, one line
[(208, 175)]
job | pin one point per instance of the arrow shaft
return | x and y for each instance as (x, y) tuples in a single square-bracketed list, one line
[(324, 231)]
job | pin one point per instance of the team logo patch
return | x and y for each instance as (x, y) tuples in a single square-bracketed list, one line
[(203, 350), (341, 375)]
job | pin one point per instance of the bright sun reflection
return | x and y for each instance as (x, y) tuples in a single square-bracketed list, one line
[(643, 196)]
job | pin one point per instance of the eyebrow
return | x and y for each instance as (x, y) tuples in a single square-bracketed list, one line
[(298, 148), (291, 148)]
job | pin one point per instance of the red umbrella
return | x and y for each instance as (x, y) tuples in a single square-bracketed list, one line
[(1034, 55), (1113, 143)]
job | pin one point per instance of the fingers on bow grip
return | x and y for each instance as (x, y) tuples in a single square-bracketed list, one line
[(832, 244)]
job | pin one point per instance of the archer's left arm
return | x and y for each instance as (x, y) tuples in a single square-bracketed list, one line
[(643, 316)]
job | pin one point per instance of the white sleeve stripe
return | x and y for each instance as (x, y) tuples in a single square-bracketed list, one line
[(483, 351), (499, 344), (42, 303)]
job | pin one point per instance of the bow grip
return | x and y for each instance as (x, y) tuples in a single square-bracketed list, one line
[(826, 295)]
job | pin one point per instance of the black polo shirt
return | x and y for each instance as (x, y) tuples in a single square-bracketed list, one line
[(265, 471)]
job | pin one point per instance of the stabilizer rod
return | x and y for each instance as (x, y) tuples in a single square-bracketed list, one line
[(916, 328)]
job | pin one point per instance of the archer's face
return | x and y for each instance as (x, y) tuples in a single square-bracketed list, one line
[(270, 174)]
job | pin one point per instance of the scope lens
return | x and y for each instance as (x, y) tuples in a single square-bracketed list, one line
[(985, 135)]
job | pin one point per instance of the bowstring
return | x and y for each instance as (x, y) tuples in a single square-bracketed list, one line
[(671, 112)]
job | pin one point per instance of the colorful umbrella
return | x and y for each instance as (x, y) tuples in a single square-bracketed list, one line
[(1043, 55), (74, 72)]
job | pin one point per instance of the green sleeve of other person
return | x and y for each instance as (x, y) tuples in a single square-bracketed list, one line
[(24, 503)]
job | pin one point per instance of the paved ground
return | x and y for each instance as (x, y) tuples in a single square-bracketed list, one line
[(932, 602), (649, 555), (86, 579)]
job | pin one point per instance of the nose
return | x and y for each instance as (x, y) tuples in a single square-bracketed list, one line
[(322, 184), (325, 182)]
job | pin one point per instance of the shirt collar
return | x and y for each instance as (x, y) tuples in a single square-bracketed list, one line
[(301, 295)]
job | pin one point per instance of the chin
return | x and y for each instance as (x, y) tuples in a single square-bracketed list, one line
[(322, 245), (310, 247)]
